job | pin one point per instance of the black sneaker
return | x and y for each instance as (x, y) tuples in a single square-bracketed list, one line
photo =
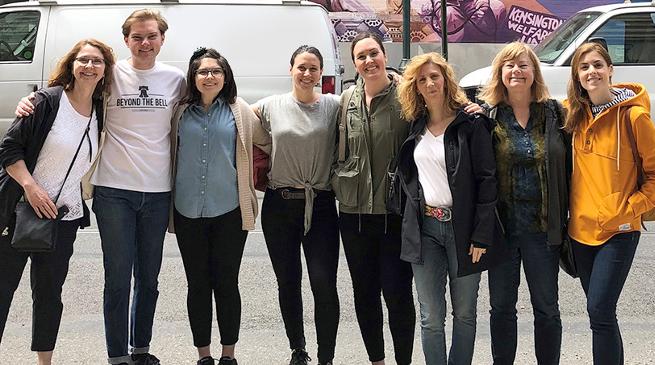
[(325, 363), (145, 359), (227, 361), (207, 360), (299, 357)]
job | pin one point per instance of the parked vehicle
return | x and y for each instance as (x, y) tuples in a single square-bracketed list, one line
[(627, 31), (256, 36)]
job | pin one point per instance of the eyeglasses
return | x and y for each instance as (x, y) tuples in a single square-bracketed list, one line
[(96, 62), (214, 72)]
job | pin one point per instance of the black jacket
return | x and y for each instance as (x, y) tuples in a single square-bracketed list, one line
[(471, 169), (558, 169), (24, 141)]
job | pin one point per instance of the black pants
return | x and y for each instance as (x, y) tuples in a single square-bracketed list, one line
[(47, 275), (211, 250), (283, 225), (373, 255)]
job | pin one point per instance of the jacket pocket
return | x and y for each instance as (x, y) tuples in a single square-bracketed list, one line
[(394, 198), (615, 213), (345, 181)]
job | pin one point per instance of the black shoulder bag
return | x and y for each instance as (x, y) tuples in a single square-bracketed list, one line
[(34, 234)]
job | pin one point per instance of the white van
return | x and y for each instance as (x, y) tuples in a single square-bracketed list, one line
[(256, 37), (628, 31)]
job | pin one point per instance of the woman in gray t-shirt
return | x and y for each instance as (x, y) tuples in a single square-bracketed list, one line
[(299, 206)]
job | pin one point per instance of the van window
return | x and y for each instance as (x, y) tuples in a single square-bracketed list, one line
[(550, 48), (629, 38), (18, 35)]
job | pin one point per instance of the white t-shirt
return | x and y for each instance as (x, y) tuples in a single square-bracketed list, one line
[(137, 151), (58, 152), (430, 158)]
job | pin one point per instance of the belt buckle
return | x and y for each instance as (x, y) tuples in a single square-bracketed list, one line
[(441, 214), (285, 194)]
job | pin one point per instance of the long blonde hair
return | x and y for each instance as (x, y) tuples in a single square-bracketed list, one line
[(578, 97), (413, 105), (495, 92)]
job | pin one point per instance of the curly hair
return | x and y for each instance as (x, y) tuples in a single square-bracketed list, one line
[(495, 92), (412, 102), (577, 96), (63, 75)]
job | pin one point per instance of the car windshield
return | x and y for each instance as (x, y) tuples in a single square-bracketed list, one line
[(551, 47)]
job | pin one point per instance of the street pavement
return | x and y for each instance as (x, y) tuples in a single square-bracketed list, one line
[(262, 336)]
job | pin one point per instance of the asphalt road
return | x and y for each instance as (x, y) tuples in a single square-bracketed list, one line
[(262, 337)]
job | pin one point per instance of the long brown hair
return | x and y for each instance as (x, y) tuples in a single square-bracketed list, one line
[(578, 97), (229, 90), (495, 92), (412, 103), (62, 75)]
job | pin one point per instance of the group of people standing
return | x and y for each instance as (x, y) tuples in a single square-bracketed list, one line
[(428, 190)]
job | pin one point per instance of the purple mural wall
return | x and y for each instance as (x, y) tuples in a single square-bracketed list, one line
[(469, 21)]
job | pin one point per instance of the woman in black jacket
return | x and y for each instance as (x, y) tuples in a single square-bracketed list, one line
[(532, 169), (450, 230), (35, 156)]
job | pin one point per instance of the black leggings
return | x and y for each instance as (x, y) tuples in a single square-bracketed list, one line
[(211, 250), (373, 255), (47, 277), (282, 222)]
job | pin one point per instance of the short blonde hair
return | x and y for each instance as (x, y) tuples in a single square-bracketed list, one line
[(495, 92), (413, 105), (143, 15)]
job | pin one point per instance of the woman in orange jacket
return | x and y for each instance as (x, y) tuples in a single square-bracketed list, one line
[(606, 203)]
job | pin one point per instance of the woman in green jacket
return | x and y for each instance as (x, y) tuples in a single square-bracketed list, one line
[(371, 235)]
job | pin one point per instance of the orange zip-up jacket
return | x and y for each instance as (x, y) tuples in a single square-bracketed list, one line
[(604, 199)]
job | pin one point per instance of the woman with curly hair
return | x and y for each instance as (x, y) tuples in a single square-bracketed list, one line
[(450, 230)]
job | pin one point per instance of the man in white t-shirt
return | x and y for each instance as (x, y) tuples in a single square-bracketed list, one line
[(133, 185)]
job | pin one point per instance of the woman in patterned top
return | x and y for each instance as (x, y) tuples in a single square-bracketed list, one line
[(35, 154), (532, 172)]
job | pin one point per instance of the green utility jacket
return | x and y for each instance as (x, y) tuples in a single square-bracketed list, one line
[(374, 139)]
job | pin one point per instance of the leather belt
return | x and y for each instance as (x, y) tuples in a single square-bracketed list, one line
[(291, 194), (442, 214)]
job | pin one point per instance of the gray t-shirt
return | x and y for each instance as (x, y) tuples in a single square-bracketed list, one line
[(304, 142)]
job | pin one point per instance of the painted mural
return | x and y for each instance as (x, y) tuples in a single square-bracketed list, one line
[(468, 21)]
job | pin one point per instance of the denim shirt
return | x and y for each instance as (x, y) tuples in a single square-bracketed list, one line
[(206, 179)]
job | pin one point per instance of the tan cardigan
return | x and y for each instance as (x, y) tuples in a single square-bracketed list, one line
[(249, 131)]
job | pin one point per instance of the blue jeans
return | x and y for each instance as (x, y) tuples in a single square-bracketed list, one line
[(603, 270), (541, 267), (132, 229), (440, 263)]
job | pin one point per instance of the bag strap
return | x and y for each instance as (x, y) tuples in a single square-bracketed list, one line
[(86, 132), (343, 129), (641, 175)]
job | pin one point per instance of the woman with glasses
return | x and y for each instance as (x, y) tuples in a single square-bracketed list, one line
[(450, 231), (35, 155), (299, 207), (214, 197)]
